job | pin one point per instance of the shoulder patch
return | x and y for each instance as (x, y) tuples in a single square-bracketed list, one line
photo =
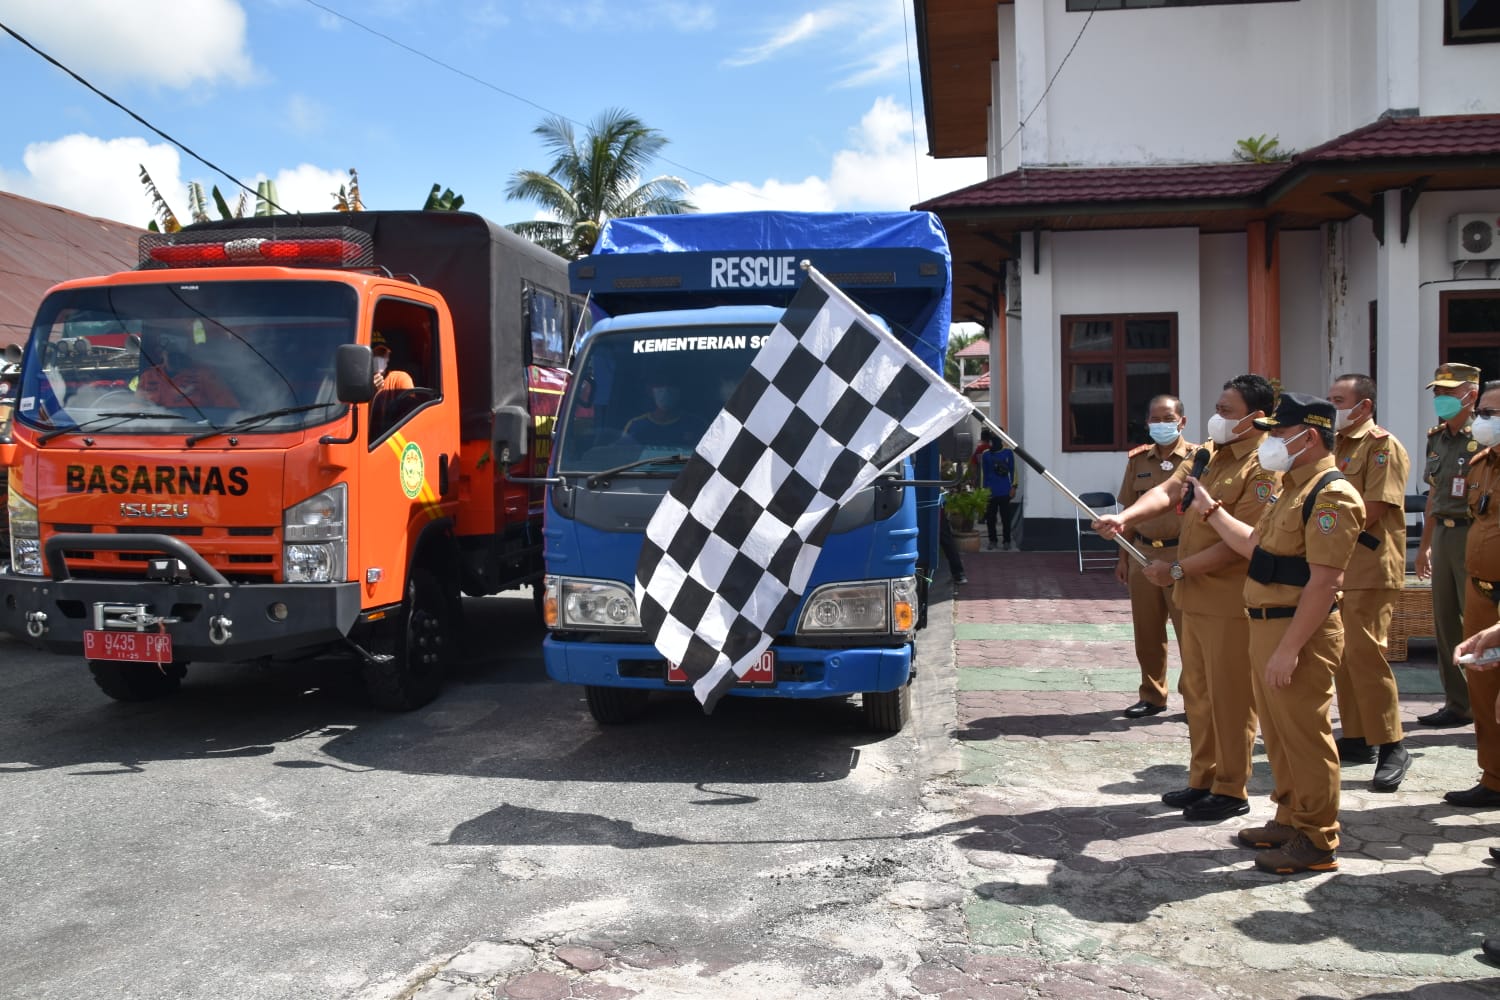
[(1379, 432), (1483, 453), (1264, 487), (1434, 430), (1382, 456), (1139, 450)]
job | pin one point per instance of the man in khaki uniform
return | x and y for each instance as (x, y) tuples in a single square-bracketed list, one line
[(1297, 554), (1208, 579), (1376, 465), (1482, 563), (1151, 607), (1440, 554)]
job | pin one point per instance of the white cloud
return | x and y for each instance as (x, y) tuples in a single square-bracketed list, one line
[(154, 42), (102, 177), (808, 26), (872, 42), (99, 176), (876, 171)]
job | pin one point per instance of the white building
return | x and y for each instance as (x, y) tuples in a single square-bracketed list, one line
[(1118, 248)]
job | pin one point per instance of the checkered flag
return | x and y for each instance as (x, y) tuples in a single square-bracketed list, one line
[(830, 402)]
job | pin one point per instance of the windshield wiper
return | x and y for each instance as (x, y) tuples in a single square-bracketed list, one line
[(245, 423), (134, 415), (608, 474)]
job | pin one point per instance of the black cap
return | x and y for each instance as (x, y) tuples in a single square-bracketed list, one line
[(1299, 408)]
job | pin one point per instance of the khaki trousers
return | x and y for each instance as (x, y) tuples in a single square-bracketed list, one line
[(1295, 726), (1219, 701), (1449, 584), (1484, 685), (1369, 703), (1151, 608)]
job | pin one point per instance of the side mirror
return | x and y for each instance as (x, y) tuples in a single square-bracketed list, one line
[(354, 373), (511, 434), (12, 354)]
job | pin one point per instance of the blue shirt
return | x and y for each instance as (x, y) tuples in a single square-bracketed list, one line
[(997, 469)]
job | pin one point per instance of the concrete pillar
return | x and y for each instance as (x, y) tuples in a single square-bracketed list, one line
[(1263, 285), (1404, 406)]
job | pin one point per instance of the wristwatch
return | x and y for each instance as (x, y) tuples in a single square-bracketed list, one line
[(1177, 573)]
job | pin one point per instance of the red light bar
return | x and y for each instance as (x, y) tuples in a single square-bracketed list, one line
[(281, 251)]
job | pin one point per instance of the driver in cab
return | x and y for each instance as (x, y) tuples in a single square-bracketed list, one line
[(172, 383), (665, 425)]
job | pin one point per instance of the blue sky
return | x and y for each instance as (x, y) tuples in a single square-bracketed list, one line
[(767, 103)]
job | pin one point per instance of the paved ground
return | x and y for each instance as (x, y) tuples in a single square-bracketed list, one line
[(1075, 869)]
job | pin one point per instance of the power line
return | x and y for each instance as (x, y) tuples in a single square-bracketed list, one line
[(911, 102), (498, 89), (180, 145), (1092, 11)]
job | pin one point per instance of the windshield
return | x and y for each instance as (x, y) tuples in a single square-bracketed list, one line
[(644, 394), (165, 358)]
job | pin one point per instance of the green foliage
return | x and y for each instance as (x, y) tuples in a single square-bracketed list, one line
[(1260, 149), (968, 506), (441, 199), (593, 179), (957, 343)]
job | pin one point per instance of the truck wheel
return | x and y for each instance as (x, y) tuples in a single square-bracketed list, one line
[(420, 641), (887, 711), (137, 681), (611, 706)]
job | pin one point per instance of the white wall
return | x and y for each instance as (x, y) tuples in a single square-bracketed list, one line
[(1456, 79), (1154, 270), (1305, 349), (1225, 351)]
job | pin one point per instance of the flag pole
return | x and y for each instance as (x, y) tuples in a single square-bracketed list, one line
[(828, 286), (1015, 446)]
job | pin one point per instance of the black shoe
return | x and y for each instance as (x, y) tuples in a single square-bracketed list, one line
[(1491, 948), (1495, 853), (1354, 750), (1184, 797), (1445, 717), (1216, 807), (1389, 773), (1478, 797), (1141, 709)]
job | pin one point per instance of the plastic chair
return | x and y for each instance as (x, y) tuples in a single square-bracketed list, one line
[(1095, 552)]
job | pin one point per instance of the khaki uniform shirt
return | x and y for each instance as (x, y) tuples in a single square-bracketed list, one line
[(1377, 465), (1145, 468), (1448, 457), (1327, 539), (1482, 547), (1233, 476)]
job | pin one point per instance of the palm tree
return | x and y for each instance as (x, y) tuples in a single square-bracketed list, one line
[(594, 179), (952, 370)]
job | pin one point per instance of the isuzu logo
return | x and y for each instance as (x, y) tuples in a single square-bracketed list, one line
[(153, 510)]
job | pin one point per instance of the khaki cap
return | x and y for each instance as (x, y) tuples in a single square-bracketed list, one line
[(1452, 375)]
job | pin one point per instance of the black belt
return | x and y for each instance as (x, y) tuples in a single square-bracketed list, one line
[(1489, 588), (1282, 611), (1156, 543), (1453, 522)]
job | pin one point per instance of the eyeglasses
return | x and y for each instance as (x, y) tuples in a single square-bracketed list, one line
[(1487, 411)]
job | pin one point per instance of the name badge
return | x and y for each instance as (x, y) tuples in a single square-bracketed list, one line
[(1457, 488)]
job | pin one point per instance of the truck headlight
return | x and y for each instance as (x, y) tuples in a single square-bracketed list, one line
[(315, 536), (589, 604), (25, 536), (883, 607)]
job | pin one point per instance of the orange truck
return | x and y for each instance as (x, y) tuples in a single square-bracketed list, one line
[(281, 439)]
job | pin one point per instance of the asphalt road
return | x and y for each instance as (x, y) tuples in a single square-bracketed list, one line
[(259, 837)]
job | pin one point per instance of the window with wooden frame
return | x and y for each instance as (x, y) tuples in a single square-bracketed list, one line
[(1467, 22), (1112, 365), (1084, 6), (1469, 330)]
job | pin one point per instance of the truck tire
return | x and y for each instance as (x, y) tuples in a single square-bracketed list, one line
[(887, 711), (420, 642), (612, 706), (137, 681)]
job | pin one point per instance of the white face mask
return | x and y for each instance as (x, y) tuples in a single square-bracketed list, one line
[(1274, 455), (1220, 429), (1486, 431)]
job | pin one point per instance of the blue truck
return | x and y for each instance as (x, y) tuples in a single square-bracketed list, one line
[(684, 303)]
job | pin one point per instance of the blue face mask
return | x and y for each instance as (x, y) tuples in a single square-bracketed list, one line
[(1164, 433), (1447, 407)]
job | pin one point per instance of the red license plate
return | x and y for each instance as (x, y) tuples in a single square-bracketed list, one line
[(131, 647), (761, 674)]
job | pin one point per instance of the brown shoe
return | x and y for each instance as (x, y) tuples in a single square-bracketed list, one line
[(1273, 834), (1297, 855)]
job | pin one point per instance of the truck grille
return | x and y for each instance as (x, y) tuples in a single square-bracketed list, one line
[(249, 554)]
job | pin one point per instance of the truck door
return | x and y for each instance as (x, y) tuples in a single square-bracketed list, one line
[(412, 441)]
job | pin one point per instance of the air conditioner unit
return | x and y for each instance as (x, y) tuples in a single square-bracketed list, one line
[(1474, 236)]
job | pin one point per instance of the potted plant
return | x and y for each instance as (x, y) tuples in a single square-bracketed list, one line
[(965, 510)]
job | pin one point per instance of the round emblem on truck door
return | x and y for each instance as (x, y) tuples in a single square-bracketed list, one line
[(413, 470)]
